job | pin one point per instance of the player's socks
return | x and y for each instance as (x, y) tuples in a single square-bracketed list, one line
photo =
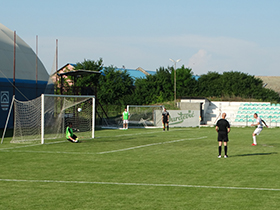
[(225, 150), (168, 127), (255, 140), (220, 150)]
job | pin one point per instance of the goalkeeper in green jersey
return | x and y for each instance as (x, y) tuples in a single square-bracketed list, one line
[(70, 136), (125, 118)]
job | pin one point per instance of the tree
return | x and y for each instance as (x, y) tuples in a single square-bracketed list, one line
[(92, 79), (115, 87), (155, 88), (209, 84), (186, 85), (234, 84), (78, 85)]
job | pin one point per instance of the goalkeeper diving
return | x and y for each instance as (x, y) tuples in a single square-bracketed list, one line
[(70, 136)]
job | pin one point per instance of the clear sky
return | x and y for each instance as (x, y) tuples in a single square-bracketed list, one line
[(207, 35)]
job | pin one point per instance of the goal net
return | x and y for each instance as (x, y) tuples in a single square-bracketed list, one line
[(46, 117), (145, 115)]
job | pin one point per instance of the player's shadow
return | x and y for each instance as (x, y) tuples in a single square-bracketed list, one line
[(253, 154)]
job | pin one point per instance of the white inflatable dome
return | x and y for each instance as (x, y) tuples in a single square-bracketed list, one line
[(25, 58)]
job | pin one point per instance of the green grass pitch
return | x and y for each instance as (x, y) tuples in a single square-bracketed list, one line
[(144, 169)]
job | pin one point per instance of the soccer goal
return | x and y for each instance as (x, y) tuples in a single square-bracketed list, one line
[(46, 117), (145, 115)]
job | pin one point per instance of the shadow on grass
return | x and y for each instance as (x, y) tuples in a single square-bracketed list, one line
[(253, 154)]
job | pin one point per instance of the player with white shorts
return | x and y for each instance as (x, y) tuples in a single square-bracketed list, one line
[(125, 118), (258, 130)]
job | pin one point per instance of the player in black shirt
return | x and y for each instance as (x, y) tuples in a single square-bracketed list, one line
[(165, 119), (223, 128)]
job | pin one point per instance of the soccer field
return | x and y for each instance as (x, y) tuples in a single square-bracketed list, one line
[(144, 169)]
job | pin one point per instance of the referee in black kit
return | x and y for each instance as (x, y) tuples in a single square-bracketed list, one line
[(223, 128), (165, 119)]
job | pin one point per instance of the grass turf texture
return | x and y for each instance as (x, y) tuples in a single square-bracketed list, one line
[(144, 169)]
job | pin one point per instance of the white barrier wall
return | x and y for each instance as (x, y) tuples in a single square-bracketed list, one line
[(180, 118), (183, 118)]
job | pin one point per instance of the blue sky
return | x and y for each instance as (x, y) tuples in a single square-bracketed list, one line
[(207, 35)]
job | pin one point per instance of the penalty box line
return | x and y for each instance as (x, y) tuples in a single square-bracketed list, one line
[(137, 134), (140, 184), (148, 145), (33, 145), (100, 153)]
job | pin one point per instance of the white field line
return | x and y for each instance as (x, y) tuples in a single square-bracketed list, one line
[(140, 184), (32, 145), (153, 144), (144, 133), (100, 153), (50, 152)]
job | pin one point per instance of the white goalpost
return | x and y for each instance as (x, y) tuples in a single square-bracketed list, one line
[(46, 117), (145, 115)]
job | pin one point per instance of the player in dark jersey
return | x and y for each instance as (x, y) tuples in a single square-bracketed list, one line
[(223, 128), (165, 119)]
